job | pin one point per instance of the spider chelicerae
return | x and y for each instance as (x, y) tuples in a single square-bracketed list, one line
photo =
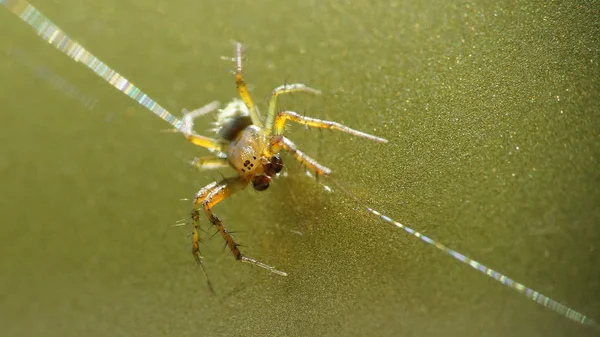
[(251, 147)]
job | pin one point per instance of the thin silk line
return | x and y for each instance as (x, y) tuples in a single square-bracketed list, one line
[(527, 292), (50, 33)]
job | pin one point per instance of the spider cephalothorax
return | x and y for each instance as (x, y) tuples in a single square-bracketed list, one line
[(252, 149)]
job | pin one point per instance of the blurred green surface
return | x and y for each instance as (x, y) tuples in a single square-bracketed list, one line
[(492, 112)]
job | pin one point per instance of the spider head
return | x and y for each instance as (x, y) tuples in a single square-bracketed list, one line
[(271, 168)]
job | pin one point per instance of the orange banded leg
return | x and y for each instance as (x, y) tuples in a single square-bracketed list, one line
[(279, 143), (283, 116), (216, 194), (242, 88), (285, 89), (198, 199), (196, 232)]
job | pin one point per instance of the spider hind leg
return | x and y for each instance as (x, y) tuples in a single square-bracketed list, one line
[(210, 163), (188, 128)]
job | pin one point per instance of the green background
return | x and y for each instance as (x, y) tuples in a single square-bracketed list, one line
[(492, 112)]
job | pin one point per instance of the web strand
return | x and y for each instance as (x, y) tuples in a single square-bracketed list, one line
[(527, 292), (50, 33)]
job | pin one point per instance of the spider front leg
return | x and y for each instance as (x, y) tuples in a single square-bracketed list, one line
[(285, 89), (242, 88), (283, 116), (278, 143), (208, 197)]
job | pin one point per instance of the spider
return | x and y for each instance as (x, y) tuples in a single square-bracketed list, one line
[(251, 147)]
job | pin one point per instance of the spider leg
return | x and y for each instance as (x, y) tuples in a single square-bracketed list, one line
[(241, 86), (208, 197), (206, 142), (278, 143), (210, 163), (188, 128), (189, 116), (200, 196), (196, 232), (283, 116), (285, 89)]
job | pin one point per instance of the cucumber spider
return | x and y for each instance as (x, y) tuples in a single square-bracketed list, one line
[(252, 148)]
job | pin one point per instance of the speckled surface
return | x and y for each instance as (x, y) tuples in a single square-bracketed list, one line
[(492, 115)]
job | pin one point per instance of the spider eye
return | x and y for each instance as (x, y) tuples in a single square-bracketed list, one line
[(275, 166), (261, 183)]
